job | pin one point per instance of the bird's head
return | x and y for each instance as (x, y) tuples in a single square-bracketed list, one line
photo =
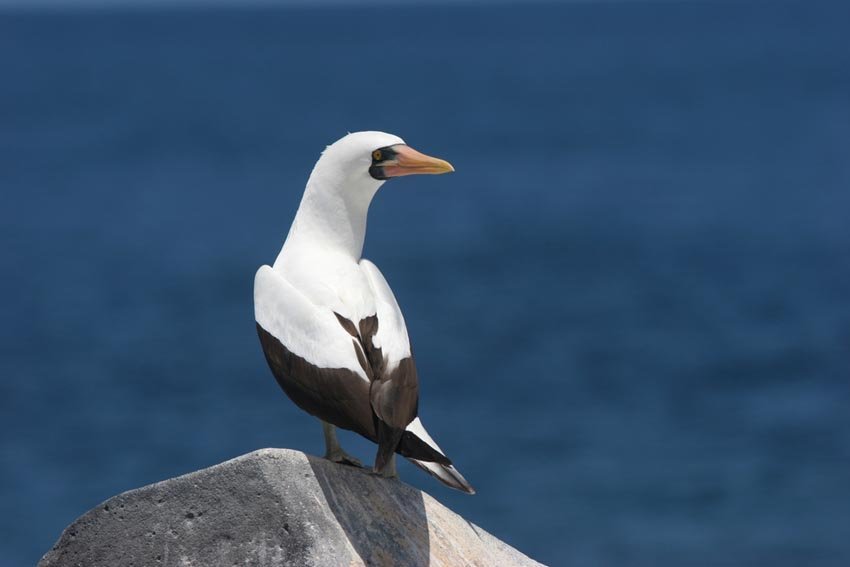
[(377, 156)]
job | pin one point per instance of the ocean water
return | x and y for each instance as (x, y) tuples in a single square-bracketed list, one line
[(629, 305)]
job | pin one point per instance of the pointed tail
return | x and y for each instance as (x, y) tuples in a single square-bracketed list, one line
[(446, 474), (423, 452)]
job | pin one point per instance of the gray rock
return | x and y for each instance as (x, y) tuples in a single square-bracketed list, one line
[(276, 507)]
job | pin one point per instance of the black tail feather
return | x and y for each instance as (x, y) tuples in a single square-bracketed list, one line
[(413, 447)]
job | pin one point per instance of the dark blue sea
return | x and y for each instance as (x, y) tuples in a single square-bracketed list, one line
[(630, 305)]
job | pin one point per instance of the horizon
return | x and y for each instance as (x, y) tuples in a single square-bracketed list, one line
[(35, 5)]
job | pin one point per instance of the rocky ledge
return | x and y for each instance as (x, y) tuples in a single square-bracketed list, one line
[(276, 507)]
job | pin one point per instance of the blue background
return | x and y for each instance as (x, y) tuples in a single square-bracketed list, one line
[(629, 304)]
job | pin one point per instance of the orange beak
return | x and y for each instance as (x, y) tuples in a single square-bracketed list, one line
[(408, 161)]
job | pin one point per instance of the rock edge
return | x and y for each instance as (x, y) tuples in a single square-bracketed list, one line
[(276, 507)]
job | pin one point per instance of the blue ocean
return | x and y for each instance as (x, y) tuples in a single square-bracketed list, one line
[(630, 305)]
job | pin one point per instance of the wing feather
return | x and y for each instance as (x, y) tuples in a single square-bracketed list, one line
[(312, 355), (391, 337), (308, 331)]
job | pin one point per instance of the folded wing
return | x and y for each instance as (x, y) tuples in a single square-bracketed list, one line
[(313, 358)]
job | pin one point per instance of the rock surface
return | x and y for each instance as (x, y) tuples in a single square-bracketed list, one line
[(276, 507)]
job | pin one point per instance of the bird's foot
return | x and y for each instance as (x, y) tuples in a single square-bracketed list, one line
[(343, 458), (388, 469), (386, 473)]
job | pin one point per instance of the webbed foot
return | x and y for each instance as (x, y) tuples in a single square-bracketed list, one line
[(389, 470)]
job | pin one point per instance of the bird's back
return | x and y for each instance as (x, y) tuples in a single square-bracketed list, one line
[(329, 280)]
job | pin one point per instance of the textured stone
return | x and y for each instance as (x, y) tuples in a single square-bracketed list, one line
[(276, 507)]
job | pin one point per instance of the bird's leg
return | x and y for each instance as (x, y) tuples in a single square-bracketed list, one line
[(389, 469), (388, 439), (333, 452)]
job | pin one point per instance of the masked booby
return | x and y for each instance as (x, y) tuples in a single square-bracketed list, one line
[(331, 330)]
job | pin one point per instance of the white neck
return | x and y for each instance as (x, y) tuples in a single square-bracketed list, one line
[(332, 214)]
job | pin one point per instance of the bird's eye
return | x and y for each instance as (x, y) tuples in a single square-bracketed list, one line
[(376, 155)]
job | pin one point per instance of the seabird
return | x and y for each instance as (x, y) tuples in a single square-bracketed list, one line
[(331, 330)]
